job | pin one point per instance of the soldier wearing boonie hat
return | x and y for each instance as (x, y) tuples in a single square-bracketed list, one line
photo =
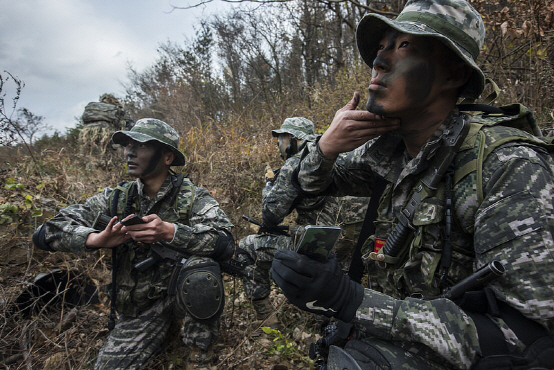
[(453, 22), (299, 127), (416, 138), (151, 129), (281, 199), (293, 135), (171, 210)]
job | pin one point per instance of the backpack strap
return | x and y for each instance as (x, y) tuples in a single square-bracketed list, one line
[(113, 211), (491, 97), (187, 187)]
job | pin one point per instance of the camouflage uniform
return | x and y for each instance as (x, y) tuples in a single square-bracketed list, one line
[(280, 198), (145, 309), (513, 224)]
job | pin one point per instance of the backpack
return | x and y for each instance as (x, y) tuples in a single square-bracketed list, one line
[(103, 112), (494, 126)]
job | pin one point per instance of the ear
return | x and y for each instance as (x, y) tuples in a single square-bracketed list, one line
[(459, 73), (169, 156)]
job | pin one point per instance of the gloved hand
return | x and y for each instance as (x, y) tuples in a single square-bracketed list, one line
[(320, 288)]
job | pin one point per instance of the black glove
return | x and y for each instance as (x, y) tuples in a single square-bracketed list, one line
[(320, 288)]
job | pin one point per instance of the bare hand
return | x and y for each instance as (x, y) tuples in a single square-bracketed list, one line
[(351, 128), (151, 231), (110, 237)]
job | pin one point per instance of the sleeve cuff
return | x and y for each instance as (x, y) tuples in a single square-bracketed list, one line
[(174, 233)]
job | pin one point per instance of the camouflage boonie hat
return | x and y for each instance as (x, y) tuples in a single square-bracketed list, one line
[(454, 22), (148, 129), (299, 127)]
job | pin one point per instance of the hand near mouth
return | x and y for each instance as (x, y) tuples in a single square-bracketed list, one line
[(351, 128)]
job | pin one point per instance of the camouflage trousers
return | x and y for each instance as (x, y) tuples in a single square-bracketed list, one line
[(135, 339), (257, 252)]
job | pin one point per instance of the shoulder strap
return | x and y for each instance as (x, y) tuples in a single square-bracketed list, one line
[(356, 268), (124, 187), (186, 187)]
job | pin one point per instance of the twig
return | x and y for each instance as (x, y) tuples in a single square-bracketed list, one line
[(48, 339)]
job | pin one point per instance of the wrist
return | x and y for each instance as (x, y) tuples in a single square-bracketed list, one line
[(170, 232), (90, 242), (348, 310), (325, 150)]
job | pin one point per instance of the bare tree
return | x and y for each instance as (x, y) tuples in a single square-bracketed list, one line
[(14, 129), (9, 132), (30, 124), (369, 6)]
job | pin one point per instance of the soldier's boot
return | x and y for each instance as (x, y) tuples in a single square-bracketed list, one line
[(266, 313), (198, 359)]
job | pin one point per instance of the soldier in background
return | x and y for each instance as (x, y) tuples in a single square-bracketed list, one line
[(279, 199), (107, 113), (100, 120)]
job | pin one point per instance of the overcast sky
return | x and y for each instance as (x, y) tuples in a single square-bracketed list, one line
[(69, 52)]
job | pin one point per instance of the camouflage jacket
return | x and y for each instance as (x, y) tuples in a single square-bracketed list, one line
[(280, 198), (196, 217), (514, 225)]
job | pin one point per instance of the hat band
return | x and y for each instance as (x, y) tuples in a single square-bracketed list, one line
[(439, 25)]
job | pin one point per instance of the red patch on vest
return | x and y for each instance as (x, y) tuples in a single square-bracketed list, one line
[(379, 243)]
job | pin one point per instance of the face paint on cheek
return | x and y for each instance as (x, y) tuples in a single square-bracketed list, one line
[(152, 164), (419, 81)]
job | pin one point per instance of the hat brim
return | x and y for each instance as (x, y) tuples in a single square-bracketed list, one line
[(296, 133), (120, 138), (371, 30)]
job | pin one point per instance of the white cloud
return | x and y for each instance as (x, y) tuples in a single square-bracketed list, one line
[(69, 52)]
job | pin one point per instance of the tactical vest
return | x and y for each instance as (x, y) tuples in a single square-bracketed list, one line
[(136, 291), (417, 267)]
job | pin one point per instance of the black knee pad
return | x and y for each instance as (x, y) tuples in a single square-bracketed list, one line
[(200, 292)]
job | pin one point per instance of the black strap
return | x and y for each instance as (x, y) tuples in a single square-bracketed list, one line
[(356, 269), (491, 338), (113, 211), (482, 304), (486, 108)]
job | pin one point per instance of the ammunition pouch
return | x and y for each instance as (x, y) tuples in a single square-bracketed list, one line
[(199, 292)]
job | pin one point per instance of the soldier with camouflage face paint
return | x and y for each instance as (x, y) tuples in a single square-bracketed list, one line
[(279, 199), (432, 230), (173, 211)]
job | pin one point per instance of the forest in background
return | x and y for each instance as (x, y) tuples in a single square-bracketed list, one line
[(239, 77)]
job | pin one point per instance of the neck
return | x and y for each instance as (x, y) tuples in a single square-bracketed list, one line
[(416, 130), (153, 184)]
